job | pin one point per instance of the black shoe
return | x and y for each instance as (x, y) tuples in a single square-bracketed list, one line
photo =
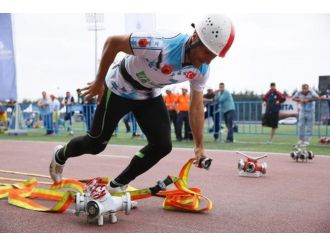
[(229, 141)]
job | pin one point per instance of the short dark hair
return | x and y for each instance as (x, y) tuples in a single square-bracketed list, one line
[(221, 83), (272, 84), (305, 85)]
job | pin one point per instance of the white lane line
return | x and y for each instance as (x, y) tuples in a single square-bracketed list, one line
[(176, 148), (114, 156)]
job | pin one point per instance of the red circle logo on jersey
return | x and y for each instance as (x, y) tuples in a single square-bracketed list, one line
[(167, 69), (143, 42), (190, 75)]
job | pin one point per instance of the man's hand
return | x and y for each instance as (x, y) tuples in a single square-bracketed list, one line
[(304, 101), (95, 88), (199, 154)]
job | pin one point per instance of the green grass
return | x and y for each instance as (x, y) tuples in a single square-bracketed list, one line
[(285, 138)]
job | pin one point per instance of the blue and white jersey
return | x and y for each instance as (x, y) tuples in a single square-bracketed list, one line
[(157, 61)]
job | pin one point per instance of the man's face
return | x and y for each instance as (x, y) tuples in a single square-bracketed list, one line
[(184, 91), (273, 87), (168, 92), (200, 54), (305, 89), (221, 87)]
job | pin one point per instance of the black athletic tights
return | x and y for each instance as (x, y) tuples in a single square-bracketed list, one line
[(151, 115)]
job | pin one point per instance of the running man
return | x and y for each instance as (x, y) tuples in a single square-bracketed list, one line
[(152, 62)]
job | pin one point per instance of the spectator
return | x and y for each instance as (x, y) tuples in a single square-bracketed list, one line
[(182, 102), (208, 100), (3, 118), (273, 99), (54, 108), (68, 103), (129, 117), (227, 107), (170, 102), (88, 108), (306, 98), (43, 104), (326, 96)]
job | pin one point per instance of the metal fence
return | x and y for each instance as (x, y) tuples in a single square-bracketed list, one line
[(247, 119)]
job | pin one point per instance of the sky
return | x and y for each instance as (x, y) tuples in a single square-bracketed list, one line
[(55, 52)]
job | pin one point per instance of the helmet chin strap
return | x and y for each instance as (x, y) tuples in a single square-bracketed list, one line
[(191, 45)]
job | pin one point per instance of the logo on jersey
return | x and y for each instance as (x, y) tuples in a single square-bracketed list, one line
[(190, 75), (143, 42), (143, 77), (167, 69)]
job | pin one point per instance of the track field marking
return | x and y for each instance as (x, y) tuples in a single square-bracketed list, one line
[(176, 148)]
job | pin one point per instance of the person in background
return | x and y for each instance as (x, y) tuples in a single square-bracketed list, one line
[(43, 104), (182, 104), (227, 107), (88, 108), (326, 96), (129, 118), (54, 108), (170, 101), (208, 100), (273, 99), (68, 103), (306, 98), (3, 118)]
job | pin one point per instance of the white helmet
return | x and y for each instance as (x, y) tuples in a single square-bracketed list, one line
[(216, 32)]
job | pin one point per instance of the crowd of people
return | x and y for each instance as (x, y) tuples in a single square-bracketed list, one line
[(218, 106), (49, 113)]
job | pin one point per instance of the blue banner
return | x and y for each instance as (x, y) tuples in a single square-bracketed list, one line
[(7, 60)]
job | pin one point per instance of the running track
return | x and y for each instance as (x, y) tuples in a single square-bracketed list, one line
[(292, 197)]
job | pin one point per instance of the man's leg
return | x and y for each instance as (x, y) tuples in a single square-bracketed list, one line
[(216, 125), (126, 122), (179, 126), (302, 126), (108, 113), (186, 126), (173, 119), (273, 123), (229, 115), (154, 121), (272, 133), (309, 126)]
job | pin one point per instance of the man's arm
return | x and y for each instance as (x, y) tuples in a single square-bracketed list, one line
[(315, 95), (296, 97), (324, 97), (112, 47), (281, 97), (196, 119), (265, 97), (223, 97)]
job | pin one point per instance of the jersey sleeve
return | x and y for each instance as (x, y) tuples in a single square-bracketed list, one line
[(146, 45), (296, 95), (199, 81), (314, 94)]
